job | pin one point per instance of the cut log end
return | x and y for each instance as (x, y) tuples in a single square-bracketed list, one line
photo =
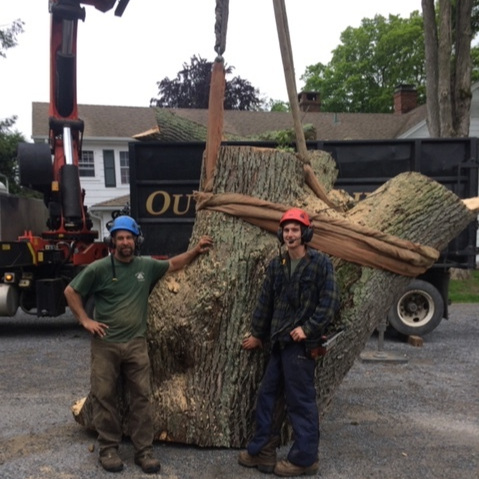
[(472, 204)]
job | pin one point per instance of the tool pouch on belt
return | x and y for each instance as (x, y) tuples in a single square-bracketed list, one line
[(316, 352), (327, 342)]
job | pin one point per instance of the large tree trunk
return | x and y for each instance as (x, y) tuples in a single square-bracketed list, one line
[(204, 384), (462, 68), (432, 74), (448, 69), (445, 97)]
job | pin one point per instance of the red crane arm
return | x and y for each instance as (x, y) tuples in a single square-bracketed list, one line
[(65, 127)]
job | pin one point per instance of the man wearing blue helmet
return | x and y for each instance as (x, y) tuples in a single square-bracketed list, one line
[(120, 285)]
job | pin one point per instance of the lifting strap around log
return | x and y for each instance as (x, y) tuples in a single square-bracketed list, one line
[(214, 134), (289, 74), (217, 97), (335, 236)]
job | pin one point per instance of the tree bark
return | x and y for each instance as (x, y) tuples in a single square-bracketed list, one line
[(448, 70), (173, 128), (432, 74), (462, 68), (204, 384), (445, 97)]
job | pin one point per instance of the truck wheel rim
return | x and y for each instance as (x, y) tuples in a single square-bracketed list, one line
[(416, 308)]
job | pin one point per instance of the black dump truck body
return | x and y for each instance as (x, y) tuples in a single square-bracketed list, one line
[(163, 177)]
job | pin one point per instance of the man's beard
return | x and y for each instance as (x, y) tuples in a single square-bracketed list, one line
[(125, 252)]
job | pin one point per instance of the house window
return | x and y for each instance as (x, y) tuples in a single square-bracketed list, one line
[(86, 164), (124, 168), (109, 167)]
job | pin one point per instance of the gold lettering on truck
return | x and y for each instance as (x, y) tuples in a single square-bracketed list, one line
[(176, 204), (159, 202), (151, 199)]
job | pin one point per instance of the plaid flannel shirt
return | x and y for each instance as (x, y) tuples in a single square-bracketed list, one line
[(309, 299)]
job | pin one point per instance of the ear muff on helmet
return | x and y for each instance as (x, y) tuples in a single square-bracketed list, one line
[(301, 217), (139, 239), (306, 234)]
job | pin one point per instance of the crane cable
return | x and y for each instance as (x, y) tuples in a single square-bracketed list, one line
[(221, 25)]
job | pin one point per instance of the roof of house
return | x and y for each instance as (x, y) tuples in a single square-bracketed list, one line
[(101, 121), (105, 121), (112, 203), (329, 126)]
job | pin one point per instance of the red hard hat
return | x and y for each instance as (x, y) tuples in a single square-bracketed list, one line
[(296, 214)]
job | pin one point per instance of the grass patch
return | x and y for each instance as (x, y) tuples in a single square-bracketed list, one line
[(465, 290)]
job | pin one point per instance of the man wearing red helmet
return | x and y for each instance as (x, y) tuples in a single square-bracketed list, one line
[(121, 284), (298, 299)]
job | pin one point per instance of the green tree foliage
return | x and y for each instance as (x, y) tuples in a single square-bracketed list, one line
[(9, 141), (368, 65), (8, 36), (475, 64), (191, 87), (277, 105), (474, 16)]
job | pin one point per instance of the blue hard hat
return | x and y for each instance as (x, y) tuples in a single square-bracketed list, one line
[(125, 223)]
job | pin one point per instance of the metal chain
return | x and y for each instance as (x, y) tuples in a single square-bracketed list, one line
[(221, 25)]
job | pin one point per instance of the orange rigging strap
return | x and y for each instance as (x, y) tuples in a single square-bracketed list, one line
[(217, 96)]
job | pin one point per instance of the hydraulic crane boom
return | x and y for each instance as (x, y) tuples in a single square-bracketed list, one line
[(66, 129), (60, 181)]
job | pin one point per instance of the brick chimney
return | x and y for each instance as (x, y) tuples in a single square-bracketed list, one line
[(405, 99), (309, 101)]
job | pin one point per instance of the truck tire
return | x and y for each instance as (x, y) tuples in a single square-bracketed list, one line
[(418, 311), (8, 299)]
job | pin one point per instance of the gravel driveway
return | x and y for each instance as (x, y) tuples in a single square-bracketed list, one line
[(388, 420)]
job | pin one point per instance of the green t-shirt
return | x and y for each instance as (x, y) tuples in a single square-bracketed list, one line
[(120, 303)]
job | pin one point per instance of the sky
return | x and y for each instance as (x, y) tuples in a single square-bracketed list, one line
[(121, 59)]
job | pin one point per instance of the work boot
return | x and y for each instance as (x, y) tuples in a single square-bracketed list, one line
[(147, 462), (110, 460), (285, 468), (264, 461)]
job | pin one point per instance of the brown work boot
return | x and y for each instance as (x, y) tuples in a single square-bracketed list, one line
[(147, 462), (110, 460), (265, 460), (285, 468)]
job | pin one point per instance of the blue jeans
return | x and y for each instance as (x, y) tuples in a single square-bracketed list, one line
[(290, 372)]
